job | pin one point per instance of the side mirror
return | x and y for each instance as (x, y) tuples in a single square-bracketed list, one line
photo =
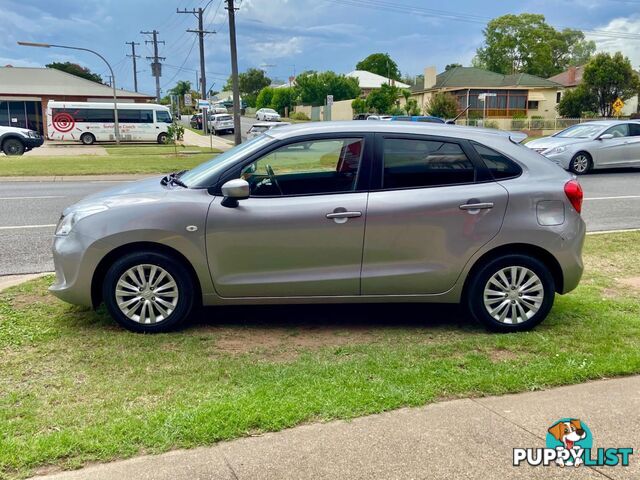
[(234, 190), (605, 136)]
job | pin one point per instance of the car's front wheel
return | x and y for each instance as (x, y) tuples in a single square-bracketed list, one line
[(162, 138), (511, 293), (148, 292), (13, 146), (581, 163)]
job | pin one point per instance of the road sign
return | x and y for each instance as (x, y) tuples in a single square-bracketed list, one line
[(329, 100), (188, 101), (617, 106), (482, 96)]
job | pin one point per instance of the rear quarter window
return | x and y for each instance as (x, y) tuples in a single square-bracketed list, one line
[(500, 166)]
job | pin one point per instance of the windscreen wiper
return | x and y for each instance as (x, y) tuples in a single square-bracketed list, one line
[(174, 179)]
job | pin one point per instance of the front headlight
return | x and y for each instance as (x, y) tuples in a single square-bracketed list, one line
[(67, 222), (558, 149)]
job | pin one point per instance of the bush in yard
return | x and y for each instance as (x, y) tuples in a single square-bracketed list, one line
[(359, 105), (442, 105), (299, 116), (283, 100), (519, 120), (537, 122), (576, 101), (383, 99), (492, 124), (175, 133)]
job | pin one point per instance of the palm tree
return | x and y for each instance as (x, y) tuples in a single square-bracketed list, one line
[(182, 87)]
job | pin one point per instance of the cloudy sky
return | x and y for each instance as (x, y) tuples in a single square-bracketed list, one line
[(284, 36)]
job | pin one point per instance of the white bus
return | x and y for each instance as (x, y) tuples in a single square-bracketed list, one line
[(90, 122)]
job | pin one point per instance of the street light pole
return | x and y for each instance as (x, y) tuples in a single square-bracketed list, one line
[(113, 84)]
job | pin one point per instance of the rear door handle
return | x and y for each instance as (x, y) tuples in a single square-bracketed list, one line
[(477, 206), (344, 214)]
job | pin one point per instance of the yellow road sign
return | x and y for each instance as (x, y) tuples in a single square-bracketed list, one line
[(617, 105)]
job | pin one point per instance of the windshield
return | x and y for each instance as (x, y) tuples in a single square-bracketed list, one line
[(200, 176), (222, 118), (580, 131), (269, 110)]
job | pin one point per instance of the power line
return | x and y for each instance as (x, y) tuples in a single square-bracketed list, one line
[(468, 18), (193, 44)]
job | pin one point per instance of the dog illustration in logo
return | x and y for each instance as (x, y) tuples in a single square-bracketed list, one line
[(568, 433)]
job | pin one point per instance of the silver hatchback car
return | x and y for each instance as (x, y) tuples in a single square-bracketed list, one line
[(333, 212)]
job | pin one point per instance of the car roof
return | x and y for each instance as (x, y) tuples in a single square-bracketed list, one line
[(437, 129), (607, 123), (270, 124)]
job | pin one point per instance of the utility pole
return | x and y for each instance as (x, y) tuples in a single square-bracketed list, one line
[(156, 66), (134, 56), (199, 14), (234, 72)]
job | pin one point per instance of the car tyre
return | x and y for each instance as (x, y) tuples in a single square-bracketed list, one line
[(512, 293), (162, 138), (87, 139), (581, 163), (164, 298), (13, 146)]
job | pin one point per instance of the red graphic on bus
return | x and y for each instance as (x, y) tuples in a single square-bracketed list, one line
[(63, 122)]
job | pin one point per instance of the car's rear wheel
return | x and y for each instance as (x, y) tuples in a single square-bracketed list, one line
[(87, 139), (511, 293), (148, 292), (13, 146), (581, 163)]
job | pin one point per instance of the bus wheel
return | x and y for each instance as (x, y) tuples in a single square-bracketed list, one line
[(87, 139), (162, 138)]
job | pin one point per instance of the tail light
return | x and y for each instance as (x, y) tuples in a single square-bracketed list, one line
[(573, 191)]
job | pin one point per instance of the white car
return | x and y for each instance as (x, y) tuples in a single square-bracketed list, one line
[(268, 115), (261, 127), (16, 141), (221, 122), (386, 118)]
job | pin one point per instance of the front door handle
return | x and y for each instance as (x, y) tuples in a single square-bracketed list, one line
[(477, 206), (344, 214)]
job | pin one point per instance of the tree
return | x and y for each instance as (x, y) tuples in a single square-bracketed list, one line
[(452, 65), (77, 70), (180, 88), (442, 105), (608, 77), (359, 105), (381, 64), (410, 104), (574, 102), (264, 98), (383, 99), (283, 100), (249, 83), (525, 43), (313, 87)]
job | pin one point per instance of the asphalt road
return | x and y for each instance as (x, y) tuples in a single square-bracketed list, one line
[(29, 212)]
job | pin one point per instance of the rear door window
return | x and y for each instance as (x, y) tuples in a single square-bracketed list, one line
[(412, 163)]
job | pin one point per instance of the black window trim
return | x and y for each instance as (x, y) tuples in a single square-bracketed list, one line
[(508, 157), (482, 173), (363, 180)]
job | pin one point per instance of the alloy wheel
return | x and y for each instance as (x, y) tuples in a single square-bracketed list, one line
[(146, 294), (513, 295), (581, 164)]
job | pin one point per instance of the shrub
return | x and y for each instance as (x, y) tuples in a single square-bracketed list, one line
[(492, 124), (175, 132), (442, 105), (299, 116), (359, 105)]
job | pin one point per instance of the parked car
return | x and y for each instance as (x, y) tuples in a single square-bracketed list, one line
[(220, 123), (16, 141), (591, 145), (196, 121), (453, 214), (362, 116), (379, 117), (261, 127), (417, 118), (268, 115)]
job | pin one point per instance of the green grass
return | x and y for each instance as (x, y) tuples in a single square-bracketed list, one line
[(120, 159), (75, 388)]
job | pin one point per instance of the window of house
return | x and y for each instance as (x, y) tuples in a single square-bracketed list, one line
[(558, 97), (412, 163), (313, 167), (500, 166), (532, 105)]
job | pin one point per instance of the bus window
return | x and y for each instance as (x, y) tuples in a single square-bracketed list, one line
[(163, 116)]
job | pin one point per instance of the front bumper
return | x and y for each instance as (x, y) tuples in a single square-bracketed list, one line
[(30, 142), (76, 258)]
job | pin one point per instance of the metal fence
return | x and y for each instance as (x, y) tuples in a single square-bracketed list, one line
[(507, 123)]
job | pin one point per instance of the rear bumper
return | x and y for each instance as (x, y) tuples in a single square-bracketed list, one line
[(570, 257)]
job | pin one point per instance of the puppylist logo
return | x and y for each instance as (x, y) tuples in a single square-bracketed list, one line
[(569, 443)]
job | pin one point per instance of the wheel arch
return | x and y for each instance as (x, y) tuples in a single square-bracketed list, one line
[(10, 136), (101, 270), (534, 251)]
